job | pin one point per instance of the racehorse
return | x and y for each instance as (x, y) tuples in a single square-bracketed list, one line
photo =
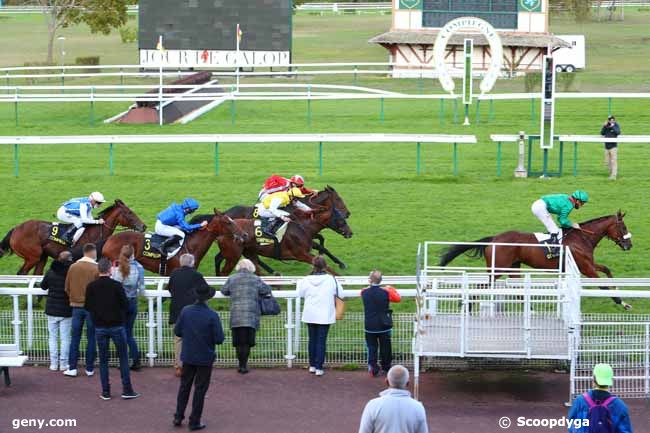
[(30, 240), (197, 243), (318, 244), (582, 242), (298, 238)]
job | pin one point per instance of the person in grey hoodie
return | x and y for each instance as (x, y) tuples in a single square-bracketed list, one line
[(394, 410), (319, 310)]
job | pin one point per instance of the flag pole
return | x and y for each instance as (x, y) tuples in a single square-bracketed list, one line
[(237, 30)]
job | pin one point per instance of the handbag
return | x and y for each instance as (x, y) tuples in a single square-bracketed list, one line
[(269, 306), (339, 303)]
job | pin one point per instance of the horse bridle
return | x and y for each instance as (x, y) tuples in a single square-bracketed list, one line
[(621, 237)]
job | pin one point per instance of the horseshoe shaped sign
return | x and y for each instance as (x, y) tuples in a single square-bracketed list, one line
[(496, 50)]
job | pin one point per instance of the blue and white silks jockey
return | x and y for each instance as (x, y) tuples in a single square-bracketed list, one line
[(171, 223), (78, 211)]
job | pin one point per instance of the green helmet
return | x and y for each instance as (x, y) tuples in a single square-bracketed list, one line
[(580, 195)]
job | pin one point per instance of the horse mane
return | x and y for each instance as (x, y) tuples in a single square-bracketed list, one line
[(198, 219), (110, 208), (598, 219)]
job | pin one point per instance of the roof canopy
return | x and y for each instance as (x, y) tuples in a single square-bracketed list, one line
[(509, 39)]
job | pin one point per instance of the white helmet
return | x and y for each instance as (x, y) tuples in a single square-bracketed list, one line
[(97, 197)]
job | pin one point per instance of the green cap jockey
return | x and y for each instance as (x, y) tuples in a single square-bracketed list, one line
[(580, 195), (561, 205)]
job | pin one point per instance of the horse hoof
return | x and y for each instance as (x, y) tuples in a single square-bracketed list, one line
[(627, 307), (343, 266)]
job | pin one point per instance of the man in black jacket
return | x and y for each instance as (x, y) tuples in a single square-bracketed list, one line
[(107, 305), (182, 284), (378, 322), (58, 311), (611, 129), (200, 327)]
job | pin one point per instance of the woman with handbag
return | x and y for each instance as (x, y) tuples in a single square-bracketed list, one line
[(245, 290), (322, 293)]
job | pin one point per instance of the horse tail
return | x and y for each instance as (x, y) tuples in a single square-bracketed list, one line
[(5, 246), (475, 251)]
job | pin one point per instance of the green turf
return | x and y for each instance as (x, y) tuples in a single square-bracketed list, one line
[(392, 208)]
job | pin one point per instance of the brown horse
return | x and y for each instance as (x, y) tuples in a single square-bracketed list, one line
[(318, 244), (29, 240), (582, 243), (197, 243), (297, 241)]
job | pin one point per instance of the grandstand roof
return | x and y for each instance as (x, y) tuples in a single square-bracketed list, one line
[(509, 39)]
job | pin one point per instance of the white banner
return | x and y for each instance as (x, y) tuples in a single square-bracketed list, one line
[(207, 58)]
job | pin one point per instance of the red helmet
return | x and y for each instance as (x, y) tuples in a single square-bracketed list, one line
[(298, 180)]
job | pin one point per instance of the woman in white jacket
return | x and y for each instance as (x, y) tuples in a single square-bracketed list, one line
[(319, 310)]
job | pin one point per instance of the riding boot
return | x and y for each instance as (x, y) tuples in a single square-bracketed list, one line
[(169, 243), (553, 251), (69, 236), (271, 227)]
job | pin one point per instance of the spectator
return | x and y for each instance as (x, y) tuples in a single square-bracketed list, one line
[(611, 129), (131, 274), (80, 274), (378, 322), (394, 410), (58, 311), (244, 289), (200, 328), (108, 305), (319, 290), (599, 406), (182, 283)]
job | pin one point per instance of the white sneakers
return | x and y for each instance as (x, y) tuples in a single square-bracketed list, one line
[(54, 367), (64, 368), (90, 373), (312, 369), (319, 372), (71, 373)]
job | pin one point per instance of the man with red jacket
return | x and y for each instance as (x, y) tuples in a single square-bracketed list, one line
[(378, 322)]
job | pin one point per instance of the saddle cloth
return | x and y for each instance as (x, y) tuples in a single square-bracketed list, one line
[(261, 237), (58, 232), (151, 247), (543, 237)]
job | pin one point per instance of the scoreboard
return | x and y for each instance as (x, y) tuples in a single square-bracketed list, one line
[(502, 14), (203, 32)]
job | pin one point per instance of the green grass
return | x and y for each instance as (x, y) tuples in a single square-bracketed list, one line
[(392, 208)]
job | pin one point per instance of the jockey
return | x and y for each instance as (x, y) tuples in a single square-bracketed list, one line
[(270, 206), (560, 205), (78, 211), (277, 183), (171, 222)]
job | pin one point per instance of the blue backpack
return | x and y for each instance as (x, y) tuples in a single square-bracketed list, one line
[(600, 418)]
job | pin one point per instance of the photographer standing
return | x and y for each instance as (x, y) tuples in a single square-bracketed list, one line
[(611, 129)]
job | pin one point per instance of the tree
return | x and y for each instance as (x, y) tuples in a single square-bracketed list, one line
[(100, 15)]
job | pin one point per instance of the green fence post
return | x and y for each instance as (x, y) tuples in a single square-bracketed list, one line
[(441, 112), (16, 159), (110, 159), (455, 111), (491, 114), (478, 111), (417, 160), (233, 114), (455, 159), (575, 158), (609, 106), (216, 159), (309, 105), (545, 165), (499, 159), (320, 158), (16, 106), (92, 106), (381, 110), (530, 155)]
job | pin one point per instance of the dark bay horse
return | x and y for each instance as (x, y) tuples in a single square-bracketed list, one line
[(582, 243), (29, 240), (318, 244), (197, 243), (297, 241)]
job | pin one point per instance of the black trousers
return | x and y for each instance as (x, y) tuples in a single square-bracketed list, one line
[(200, 376), (382, 342)]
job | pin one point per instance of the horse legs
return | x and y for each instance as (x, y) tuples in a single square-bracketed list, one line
[(308, 258), (40, 267), (605, 270), (591, 271), (322, 250)]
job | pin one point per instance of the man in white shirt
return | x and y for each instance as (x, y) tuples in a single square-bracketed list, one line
[(394, 411)]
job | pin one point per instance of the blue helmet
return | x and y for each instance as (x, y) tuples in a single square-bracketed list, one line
[(191, 205)]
